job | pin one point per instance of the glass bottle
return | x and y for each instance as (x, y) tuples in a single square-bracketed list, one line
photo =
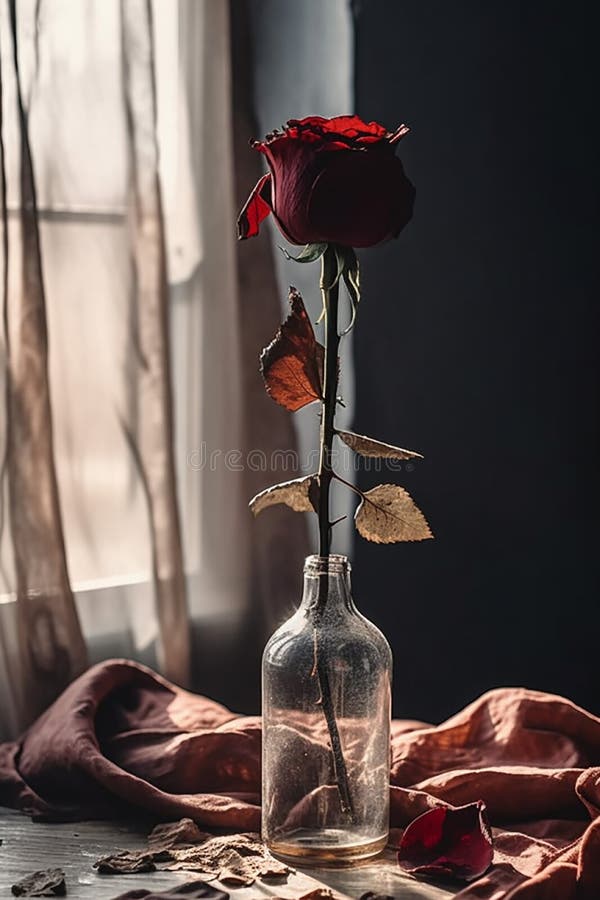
[(326, 726)]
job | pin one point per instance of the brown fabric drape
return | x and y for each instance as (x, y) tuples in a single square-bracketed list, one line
[(151, 436), (279, 539), (51, 647), (122, 739)]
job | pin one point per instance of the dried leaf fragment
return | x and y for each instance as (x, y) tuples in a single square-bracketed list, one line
[(300, 494), (46, 883), (127, 862), (292, 364), (237, 859), (447, 842), (387, 514), (172, 834), (367, 446), (236, 878), (234, 859)]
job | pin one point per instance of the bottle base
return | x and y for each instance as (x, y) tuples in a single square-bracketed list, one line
[(325, 847)]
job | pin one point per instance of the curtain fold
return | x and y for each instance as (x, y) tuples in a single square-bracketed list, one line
[(150, 437), (87, 435), (129, 353), (51, 650)]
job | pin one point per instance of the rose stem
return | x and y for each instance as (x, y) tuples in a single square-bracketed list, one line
[(330, 297), (332, 340)]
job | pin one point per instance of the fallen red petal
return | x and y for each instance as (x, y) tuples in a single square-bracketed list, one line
[(448, 843)]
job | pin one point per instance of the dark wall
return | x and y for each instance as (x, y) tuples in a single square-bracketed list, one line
[(477, 344)]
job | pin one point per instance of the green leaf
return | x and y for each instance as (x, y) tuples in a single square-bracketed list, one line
[(333, 268), (352, 276), (309, 253)]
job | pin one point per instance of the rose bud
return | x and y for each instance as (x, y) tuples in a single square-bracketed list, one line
[(332, 181)]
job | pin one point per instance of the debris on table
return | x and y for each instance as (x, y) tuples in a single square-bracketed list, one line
[(46, 883), (237, 859), (170, 834), (126, 862)]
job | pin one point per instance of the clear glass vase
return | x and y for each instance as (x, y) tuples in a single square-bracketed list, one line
[(326, 726)]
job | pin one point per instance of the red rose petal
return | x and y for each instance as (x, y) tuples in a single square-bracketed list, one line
[(337, 133), (350, 127), (377, 207), (256, 209), (446, 842), (333, 181)]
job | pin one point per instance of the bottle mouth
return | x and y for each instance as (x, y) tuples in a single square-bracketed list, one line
[(334, 564)]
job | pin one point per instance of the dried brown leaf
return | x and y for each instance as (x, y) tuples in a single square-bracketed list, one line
[(292, 364), (237, 859), (47, 883), (300, 494), (173, 834), (236, 878), (387, 514), (126, 862), (367, 446), (234, 859)]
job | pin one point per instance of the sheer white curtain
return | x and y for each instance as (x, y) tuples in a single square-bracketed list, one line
[(72, 68), (73, 72)]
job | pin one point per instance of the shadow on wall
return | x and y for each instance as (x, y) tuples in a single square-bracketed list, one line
[(477, 345)]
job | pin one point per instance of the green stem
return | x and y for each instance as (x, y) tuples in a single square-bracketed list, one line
[(330, 377)]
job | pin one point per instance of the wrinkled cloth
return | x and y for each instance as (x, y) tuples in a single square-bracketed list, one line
[(120, 737), (197, 890)]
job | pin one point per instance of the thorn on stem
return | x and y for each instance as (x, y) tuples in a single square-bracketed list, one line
[(337, 521)]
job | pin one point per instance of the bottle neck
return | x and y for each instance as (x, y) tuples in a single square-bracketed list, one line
[(327, 585)]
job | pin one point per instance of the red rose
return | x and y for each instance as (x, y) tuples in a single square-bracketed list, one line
[(332, 181)]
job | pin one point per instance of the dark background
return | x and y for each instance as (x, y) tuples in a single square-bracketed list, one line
[(477, 345)]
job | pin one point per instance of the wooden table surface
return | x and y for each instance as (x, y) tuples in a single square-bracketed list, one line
[(28, 846)]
